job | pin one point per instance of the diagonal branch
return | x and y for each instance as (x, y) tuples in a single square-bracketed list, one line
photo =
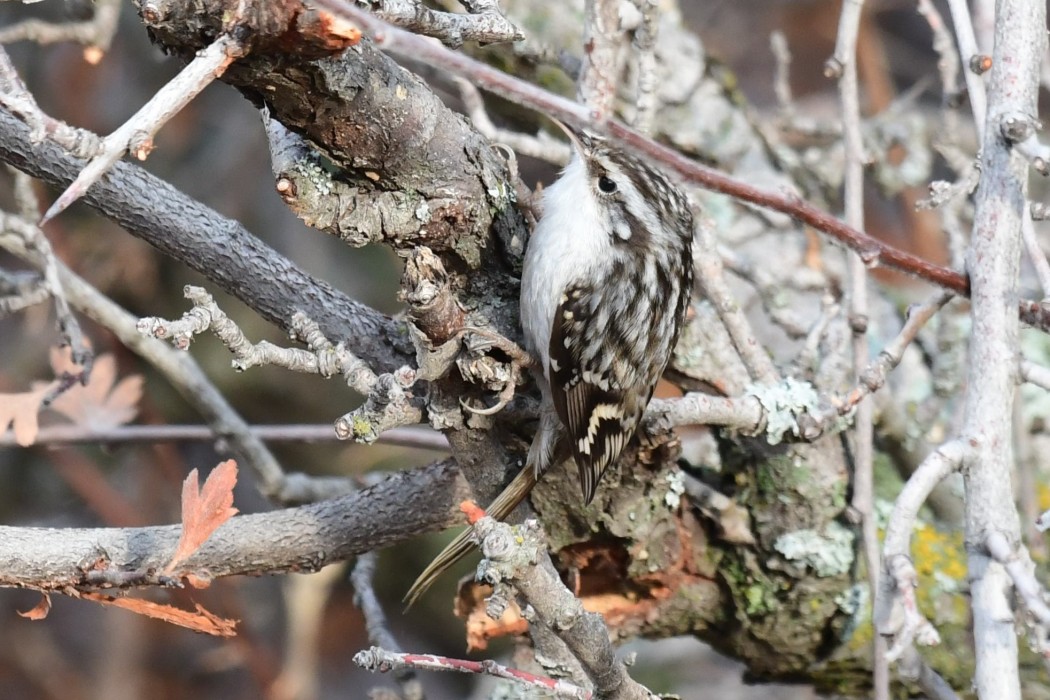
[(217, 247)]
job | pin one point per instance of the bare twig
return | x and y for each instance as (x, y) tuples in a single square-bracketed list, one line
[(733, 521), (136, 134), (844, 66), (377, 659), (540, 146), (518, 555), (305, 601), (187, 377), (911, 667), (643, 43), (321, 358), (403, 505), (20, 290), (35, 243), (96, 33), (873, 377), (896, 614), (600, 74), (782, 74), (872, 252), (709, 278), (1018, 564), (1035, 374), (948, 63), (15, 97), (486, 24), (55, 435), (362, 578), (964, 35), (389, 404), (196, 235)]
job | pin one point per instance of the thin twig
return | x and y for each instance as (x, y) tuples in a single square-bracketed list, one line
[(15, 97), (709, 277), (964, 35), (872, 252), (895, 613), (518, 556), (56, 435), (186, 376), (600, 74), (389, 402), (96, 33), (136, 134), (1035, 374), (36, 242), (541, 146), (643, 43), (486, 24), (376, 659), (844, 65), (362, 578), (912, 667), (782, 74), (1019, 565), (874, 376)]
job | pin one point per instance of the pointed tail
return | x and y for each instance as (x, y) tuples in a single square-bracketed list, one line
[(500, 508)]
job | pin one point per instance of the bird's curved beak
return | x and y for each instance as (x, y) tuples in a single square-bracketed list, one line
[(578, 138)]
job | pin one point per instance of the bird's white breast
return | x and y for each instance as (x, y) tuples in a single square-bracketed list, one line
[(566, 245)]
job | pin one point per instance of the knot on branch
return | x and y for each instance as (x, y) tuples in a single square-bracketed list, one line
[(426, 290), (1017, 127), (389, 405), (785, 403)]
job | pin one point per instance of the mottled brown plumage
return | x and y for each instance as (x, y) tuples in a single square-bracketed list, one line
[(605, 287)]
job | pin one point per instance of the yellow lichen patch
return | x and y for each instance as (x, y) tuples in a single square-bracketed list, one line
[(940, 552), (1043, 494), (940, 560)]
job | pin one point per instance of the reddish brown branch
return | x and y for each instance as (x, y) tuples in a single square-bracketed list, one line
[(872, 251)]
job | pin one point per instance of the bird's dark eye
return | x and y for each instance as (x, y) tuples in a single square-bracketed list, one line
[(606, 185)]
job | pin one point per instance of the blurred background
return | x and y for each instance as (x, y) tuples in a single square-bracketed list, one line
[(215, 151)]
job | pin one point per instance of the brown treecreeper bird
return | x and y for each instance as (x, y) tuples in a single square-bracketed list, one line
[(606, 283)]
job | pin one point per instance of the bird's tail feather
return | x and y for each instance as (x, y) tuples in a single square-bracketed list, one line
[(504, 505)]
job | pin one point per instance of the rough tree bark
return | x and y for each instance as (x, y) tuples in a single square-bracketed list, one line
[(385, 160)]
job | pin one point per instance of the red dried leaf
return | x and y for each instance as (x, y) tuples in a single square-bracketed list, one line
[(204, 509), (40, 610), (200, 620)]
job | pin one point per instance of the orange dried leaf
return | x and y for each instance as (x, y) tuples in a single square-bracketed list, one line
[(197, 581), (470, 606), (472, 510), (20, 411), (204, 509), (200, 620), (93, 55), (40, 610)]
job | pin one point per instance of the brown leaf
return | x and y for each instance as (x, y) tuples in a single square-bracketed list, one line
[(22, 411), (40, 610), (470, 606), (200, 620), (197, 581), (99, 404), (204, 510)]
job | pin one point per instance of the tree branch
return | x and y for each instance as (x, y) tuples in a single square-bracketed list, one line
[(402, 506), (217, 247)]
